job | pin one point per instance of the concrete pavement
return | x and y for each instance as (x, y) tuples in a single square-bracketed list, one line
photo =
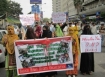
[(99, 66)]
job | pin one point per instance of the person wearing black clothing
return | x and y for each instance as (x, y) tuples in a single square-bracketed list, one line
[(47, 34), (87, 59)]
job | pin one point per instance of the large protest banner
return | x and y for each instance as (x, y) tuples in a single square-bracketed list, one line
[(90, 43), (43, 55), (28, 19), (58, 17)]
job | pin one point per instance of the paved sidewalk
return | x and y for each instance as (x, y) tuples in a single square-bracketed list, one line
[(99, 66)]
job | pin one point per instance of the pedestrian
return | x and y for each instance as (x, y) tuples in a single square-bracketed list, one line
[(102, 33), (87, 59), (75, 51), (8, 41), (30, 35), (37, 30), (65, 30), (94, 29), (47, 34), (58, 31)]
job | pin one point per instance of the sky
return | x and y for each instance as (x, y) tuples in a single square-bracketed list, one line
[(46, 7)]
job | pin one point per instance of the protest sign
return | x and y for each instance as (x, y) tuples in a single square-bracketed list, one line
[(90, 43), (27, 19), (43, 55), (58, 17)]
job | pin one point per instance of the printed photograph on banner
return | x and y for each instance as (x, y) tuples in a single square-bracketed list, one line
[(31, 55), (61, 49)]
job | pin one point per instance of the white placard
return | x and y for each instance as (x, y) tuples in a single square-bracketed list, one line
[(27, 19), (58, 17), (90, 43)]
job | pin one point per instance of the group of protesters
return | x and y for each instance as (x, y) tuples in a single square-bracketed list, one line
[(51, 30)]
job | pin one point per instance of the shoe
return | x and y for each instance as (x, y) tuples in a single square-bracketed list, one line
[(83, 73), (90, 73), (73, 76), (69, 76)]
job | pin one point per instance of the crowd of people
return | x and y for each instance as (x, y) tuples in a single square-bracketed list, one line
[(51, 30)]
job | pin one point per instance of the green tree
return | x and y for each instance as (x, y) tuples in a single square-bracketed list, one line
[(78, 5), (45, 19), (14, 9), (3, 6), (103, 15)]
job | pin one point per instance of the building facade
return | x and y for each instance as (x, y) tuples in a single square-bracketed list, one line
[(57, 5), (64, 6), (92, 7)]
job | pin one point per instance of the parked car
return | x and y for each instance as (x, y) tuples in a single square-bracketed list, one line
[(2, 32), (2, 49)]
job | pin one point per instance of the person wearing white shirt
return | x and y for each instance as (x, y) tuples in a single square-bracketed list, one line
[(94, 29)]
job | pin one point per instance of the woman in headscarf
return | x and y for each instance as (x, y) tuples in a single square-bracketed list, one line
[(87, 59), (8, 41), (76, 29), (30, 33), (75, 51), (47, 34), (58, 31), (37, 30)]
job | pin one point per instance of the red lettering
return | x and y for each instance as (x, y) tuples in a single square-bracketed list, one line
[(91, 38), (93, 44), (97, 38), (87, 44), (84, 39), (97, 43)]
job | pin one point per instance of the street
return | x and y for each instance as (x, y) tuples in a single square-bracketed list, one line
[(99, 67)]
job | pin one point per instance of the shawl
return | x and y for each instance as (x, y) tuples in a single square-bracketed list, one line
[(58, 31), (9, 39), (75, 41)]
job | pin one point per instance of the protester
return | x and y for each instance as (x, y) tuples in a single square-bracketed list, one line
[(47, 34), (75, 50), (8, 41), (87, 59), (58, 31), (37, 30), (94, 29), (30, 35), (22, 32), (76, 29), (102, 33), (65, 30)]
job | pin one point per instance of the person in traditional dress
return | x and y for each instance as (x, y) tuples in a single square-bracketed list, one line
[(58, 31), (76, 29), (87, 59), (8, 41), (47, 34), (75, 51)]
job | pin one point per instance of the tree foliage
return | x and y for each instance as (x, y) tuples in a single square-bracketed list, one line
[(78, 5), (3, 6), (14, 9), (45, 19), (103, 15)]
